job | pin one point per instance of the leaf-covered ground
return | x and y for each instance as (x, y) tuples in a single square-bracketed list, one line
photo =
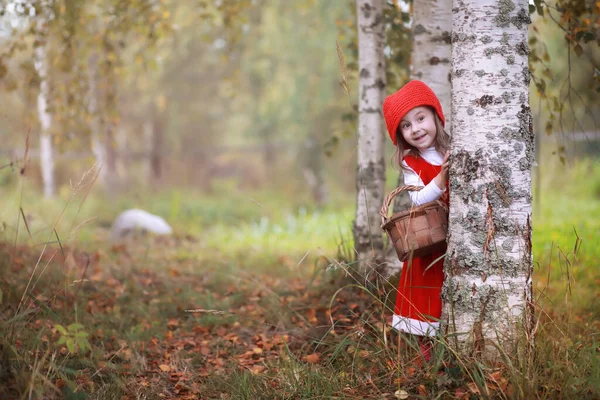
[(163, 321)]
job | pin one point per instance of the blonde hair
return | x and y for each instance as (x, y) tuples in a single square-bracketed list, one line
[(442, 143)]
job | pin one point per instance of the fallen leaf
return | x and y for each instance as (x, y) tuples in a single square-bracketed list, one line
[(461, 393), (401, 394), (313, 358), (164, 367), (257, 369), (473, 388)]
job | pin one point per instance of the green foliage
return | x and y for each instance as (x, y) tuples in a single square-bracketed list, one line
[(73, 337)]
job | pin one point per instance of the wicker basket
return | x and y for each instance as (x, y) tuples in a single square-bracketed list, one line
[(416, 232)]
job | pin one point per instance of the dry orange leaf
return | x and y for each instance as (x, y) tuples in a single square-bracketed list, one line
[(257, 369), (164, 367), (313, 358)]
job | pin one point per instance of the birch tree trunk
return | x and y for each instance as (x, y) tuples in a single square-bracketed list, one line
[(98, 147), (432, 48), (370, 177), (430, 63), (45, 118), (488, 289), (110, 112)]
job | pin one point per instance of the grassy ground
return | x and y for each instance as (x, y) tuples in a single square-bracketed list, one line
[(248, 300)]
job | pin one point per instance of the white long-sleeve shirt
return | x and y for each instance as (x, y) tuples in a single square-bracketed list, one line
[(430, 192)]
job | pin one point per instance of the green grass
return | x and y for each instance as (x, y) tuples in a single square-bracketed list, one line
[(257, 273)]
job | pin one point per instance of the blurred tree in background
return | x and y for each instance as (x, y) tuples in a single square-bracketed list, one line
[(171, 94)]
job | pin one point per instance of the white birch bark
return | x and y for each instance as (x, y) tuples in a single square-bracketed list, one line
[(488, 291), (45, 118), (432, 49), (430, 63), (370, 178)]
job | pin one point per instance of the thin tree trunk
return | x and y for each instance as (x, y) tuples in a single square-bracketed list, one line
[(148, 132), (98, 147), (313, 171), (153, 136), (430, 57), (488, 289), (122, 153), (45, 118), (157, 147), (110, 116), (432, 48), (370, 177)]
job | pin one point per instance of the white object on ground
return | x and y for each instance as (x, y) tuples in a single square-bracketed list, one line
[(135, 219)]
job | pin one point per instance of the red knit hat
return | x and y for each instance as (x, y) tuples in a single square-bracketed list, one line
[(411, 95)]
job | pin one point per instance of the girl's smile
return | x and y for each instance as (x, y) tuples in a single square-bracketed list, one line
[(418, 128)]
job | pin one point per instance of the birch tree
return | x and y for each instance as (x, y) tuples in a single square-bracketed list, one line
[(430, 63), (370, 178), (98, 147), (488, 288), (432, 49), (44, 115)]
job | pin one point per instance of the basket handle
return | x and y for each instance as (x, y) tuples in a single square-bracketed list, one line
[(390, 197)]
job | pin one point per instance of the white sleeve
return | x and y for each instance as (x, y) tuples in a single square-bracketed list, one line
[(431, 192)]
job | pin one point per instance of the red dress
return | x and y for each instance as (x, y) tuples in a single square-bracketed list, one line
[(419, 304)]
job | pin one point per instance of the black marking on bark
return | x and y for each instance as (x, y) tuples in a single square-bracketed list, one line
[(523, 48), (467, 165), (366, 10), (522, 18), (463, 37), (436, 61), (485, 100), (419, 28), (379, 84), (526, 75), (364, 73), (505, 7), (526, 133), (444, 37)]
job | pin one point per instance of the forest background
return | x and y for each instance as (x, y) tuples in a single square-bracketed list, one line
[(229, 119)]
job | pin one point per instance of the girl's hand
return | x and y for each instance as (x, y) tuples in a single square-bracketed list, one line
[(441, 178)]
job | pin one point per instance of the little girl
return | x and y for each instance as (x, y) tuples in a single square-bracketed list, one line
[(415, 123)]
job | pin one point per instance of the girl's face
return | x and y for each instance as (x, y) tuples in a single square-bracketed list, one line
[(418, 128)]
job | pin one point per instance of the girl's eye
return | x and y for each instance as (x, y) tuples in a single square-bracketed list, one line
[(405, 126), (421, 119)]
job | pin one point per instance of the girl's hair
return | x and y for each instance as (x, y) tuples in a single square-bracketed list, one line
[(442, 143)]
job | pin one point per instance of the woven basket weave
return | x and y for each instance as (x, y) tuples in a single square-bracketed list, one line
[(418, 231)]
